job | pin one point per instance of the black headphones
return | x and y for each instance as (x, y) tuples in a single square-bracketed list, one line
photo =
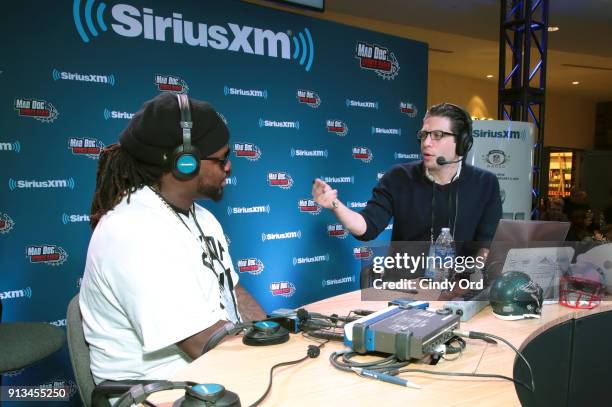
[(196, 395), (185, 158), (464, 139)]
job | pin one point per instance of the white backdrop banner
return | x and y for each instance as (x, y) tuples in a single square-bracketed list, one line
[(506, 149)]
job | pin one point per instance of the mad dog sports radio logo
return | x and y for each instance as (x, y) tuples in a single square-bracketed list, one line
[(362, 253), (40, 110), (309, 98), (47, 254), (88, 147), (131, 22), (169, 83), (249, 151), (336, 230), (282, 288), (309, 206), (378, 59), (408, 109), (362, 153), (336, 126), (6, 223), (280, 179), (252, 266)]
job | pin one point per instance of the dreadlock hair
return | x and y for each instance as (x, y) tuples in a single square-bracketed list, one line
[(118, 175)]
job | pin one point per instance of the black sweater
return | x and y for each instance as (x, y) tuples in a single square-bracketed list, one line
[(470, 205)]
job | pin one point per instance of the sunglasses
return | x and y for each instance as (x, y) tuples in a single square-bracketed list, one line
[(222, 161)]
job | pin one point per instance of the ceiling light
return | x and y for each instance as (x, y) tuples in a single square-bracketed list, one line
[(489, 76), (553, 28), (575, 83)]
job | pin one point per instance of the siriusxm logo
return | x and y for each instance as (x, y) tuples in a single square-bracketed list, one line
[(56, 183), (313, 259), (507, 134), (353, 205), (130, 22), (113, 114), (231, 181), (359, 103), (229, 91), (336, 281), (406, 156), (74, 218), (274, 123), (308, 153), (15, 146), (380, 130), (58, 322), (80, 77), (339, 180), (279, 236), (23, 293), (247, 210)]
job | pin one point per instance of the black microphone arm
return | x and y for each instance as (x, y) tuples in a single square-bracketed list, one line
[(442, 161)]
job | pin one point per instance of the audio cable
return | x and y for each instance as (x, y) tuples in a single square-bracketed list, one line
[(313, 351)]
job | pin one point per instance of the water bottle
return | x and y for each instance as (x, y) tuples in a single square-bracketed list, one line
[(430, 271), (444, 248)]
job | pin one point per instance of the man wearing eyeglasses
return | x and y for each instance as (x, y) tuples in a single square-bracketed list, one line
[(424, 196), (159, 286)]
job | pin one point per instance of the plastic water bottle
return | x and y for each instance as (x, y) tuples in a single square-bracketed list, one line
[(430, 271), (444, 248)]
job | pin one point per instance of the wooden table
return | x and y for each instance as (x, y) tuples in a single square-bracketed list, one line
[(244, 370)]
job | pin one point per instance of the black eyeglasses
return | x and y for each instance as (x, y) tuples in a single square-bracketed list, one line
[(222, 161), (435, 135)]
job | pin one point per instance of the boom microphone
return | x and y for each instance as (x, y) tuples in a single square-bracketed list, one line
[(442, 161)]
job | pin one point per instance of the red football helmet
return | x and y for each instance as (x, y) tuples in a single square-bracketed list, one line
[(583, 286)]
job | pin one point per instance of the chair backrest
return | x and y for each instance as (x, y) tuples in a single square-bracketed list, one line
[(79, 351)]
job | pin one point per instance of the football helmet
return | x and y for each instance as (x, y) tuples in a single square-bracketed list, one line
[(514, 295), (583, 286)]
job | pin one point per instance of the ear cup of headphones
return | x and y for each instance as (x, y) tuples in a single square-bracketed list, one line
[(464, 144), (264, 333), (201, 395), (185, 162)]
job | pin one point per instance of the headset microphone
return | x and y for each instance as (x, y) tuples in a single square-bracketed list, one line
[(442, 161)]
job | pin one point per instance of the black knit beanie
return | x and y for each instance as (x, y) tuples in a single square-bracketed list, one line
[(154, 131)]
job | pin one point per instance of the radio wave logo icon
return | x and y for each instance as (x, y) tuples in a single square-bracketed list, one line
[(107, 114), (65, 219), (6, 223), (304, 49), (12, 184), (88, 13), (56, 75), (71, 183), (15, 146), (28, 292)]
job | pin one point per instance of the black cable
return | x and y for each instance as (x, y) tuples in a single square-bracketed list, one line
[(434, 372), (484, 335), (384, 364), (312, 352)]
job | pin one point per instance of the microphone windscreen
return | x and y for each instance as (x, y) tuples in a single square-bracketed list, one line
[(441, 160), (302, 314)]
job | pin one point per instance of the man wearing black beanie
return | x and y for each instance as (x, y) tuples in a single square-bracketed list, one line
[(159, 282)]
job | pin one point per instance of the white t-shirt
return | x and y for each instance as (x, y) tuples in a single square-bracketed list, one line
[(146, 287)]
